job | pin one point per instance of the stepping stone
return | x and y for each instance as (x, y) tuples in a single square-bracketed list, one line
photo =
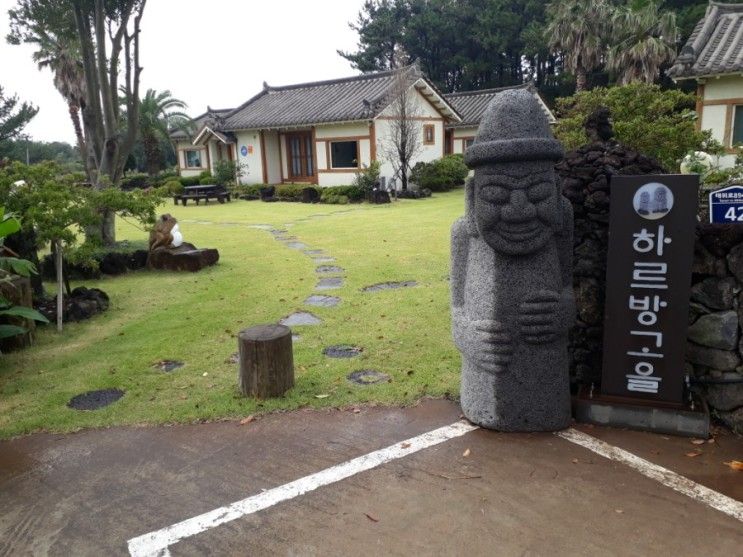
[(92, 400), (329, 269), (285, 238), (389, 286), (296, 245), (342, 351), (323, 259), (368, 377), (300, 318), (313, 251), (329, 283), (258, 226), (322, 301), (281, 232), (168, 365)]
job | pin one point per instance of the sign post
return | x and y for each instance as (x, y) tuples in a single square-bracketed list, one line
[(651, 249), (726, 205)]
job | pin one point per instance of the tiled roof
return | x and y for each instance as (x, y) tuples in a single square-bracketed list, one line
[(715, 46), (472, 104), (200, 120), (360, 97)]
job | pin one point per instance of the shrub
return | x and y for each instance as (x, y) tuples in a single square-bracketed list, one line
[(252, 190), (206, 181), (173, 187), (354, 193), (205, 174), (290, 192), (657, 123), (440, 175), (190, 180), (228, 172), (136, 181), (368, 178), (335, 199)]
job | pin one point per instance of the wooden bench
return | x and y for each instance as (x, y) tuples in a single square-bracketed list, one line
[(197, 195)]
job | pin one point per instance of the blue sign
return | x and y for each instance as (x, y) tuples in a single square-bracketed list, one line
[(726, 205), (244, 151)]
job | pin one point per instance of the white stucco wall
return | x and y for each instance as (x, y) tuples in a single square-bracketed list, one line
[(459, 135), (253, 173), (717, 117), (424, 114), (358, 131), (273, 162)]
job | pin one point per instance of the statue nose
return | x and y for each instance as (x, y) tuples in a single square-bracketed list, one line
[(519, 208)]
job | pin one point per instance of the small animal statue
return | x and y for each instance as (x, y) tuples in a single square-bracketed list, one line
[(511, 273), (166, 233), (598, 125)]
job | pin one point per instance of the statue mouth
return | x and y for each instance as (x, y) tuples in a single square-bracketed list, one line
[(518, 232)]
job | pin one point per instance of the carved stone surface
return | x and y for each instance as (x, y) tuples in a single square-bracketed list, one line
[(183, 258), (511, 277)]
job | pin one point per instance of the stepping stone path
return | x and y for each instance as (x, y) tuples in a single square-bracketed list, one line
[(313, 251), (168, 365), (322, 301), (342, 351), (329, 269), (329, 283), (296, 245), (300, 318), (368, 377), (323, 259), (92, 400), (389, 286)]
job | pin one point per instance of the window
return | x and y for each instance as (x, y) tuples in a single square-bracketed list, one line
[(193, 159), (738, 126), (344, 154), (468, 142), (429, 134)]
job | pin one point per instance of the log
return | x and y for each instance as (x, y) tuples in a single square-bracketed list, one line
[(266, 361)]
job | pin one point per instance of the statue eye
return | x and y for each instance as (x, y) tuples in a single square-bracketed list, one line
[(540, 192), (495, 194)]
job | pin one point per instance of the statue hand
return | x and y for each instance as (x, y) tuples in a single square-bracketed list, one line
[(540, 317), (492, 348)]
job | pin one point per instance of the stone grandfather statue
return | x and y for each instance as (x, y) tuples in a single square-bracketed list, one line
[(511, 277)]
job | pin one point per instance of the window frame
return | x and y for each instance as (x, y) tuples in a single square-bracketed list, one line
[(737, 113), (465, 141), (432, 129), (201, 159), (331, 163)]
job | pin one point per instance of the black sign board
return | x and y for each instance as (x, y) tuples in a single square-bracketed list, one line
[(648, 278)]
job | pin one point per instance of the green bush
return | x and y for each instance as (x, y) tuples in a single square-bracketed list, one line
[(440, 175), (190, 180), (354, 193), (368, 178), (205, 174), (173, 187), (136, 181), (335, 199), (657, 123), (206, 181), (290, 192), (253, 190), (227, 172)]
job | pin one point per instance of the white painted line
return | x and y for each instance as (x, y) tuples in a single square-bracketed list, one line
[(671, 479), (157, 543)]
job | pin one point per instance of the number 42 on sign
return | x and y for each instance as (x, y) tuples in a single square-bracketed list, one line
[(726, 205)]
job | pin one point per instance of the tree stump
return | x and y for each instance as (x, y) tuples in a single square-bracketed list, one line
[(266, 361)]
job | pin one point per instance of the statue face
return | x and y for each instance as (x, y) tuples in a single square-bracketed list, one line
[(517, 207)]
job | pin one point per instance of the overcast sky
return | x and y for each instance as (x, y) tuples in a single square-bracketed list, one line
[(215, 52)]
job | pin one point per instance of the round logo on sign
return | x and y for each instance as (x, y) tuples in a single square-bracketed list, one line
[(243, 150), (653, 201)]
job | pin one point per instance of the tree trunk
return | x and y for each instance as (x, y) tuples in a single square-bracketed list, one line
[(108, 228), (581, 79), (60, 284), (266, 363), (75, 117)]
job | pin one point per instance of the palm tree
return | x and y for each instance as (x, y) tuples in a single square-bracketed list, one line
[(63, 58), (578, 29), (644, 38), (156, 117)]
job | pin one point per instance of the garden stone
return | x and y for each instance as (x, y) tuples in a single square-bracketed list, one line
[(329, 269), (296, 245), (92, 400), (723, 360), (300, 318), (716, 330), (368, 377), (734, 420), (330, 283), (322, 301), (715, 293), (735, 262), (389, 286), (342, 351), (512, 292)]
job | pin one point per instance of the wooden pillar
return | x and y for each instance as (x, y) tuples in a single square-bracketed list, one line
[(266, 361)]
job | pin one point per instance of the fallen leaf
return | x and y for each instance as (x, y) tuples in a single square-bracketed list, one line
[(405, 446), (466, 453), (575, 461), (370, 517), (693, 454), (247, 420), (322, 396), (735, 465), (698, 441)]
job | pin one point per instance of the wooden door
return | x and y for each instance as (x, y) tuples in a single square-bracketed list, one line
[(299, 150)]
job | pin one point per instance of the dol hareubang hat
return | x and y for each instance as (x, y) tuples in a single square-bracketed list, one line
[(513, 128)]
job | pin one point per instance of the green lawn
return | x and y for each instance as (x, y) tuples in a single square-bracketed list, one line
[(194, 318)]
